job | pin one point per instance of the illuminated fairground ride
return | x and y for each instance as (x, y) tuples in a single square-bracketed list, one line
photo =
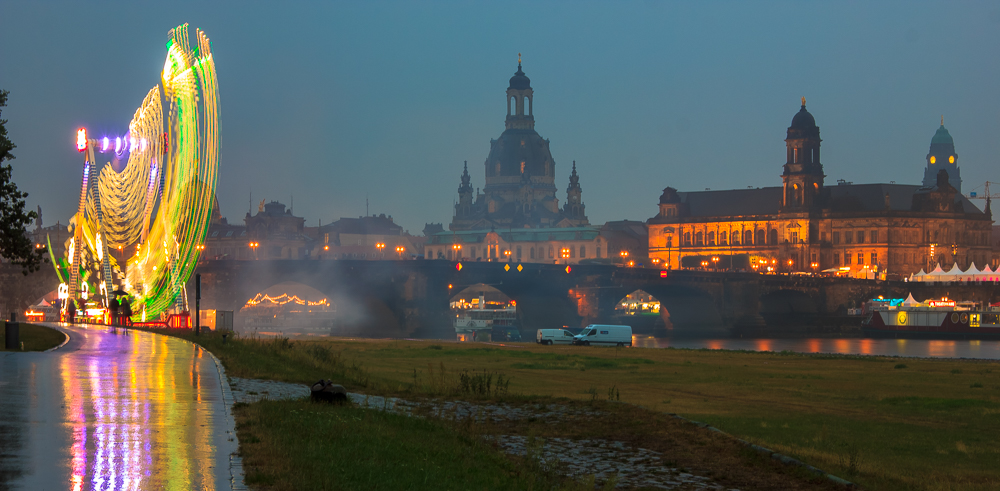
[(160, 202)]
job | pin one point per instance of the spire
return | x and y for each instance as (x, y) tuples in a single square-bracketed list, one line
[(466, 186), (519, 60), (804, 103), (574, 179), (942, 120)]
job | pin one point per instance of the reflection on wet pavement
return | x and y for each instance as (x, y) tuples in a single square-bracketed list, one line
[(113, 411)]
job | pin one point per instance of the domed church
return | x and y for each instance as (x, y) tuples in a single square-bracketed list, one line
[(520, 189)]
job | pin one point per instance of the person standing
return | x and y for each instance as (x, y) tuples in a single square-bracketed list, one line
[(71, 310)]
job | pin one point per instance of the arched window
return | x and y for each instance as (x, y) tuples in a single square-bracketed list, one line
[(772, 236), (551, 252), (512, 106), (583, 251), (760, 239), (598, 252), (697, 239), (735, 236), (531, 252), (528, 106), (711, 238), (687, 238), (748, 237), (722, 238)]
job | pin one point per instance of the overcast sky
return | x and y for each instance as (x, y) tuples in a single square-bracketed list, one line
[(335, 102)]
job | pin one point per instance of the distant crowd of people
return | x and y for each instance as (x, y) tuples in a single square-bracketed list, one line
[(119, 312)]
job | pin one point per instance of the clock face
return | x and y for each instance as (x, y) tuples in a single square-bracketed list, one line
[(933, 159), (951, 160)]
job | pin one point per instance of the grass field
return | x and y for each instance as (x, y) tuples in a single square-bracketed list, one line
[(886, 423), (34, 337)]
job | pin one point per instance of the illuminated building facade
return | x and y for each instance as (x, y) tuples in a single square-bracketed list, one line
[(872, 230), (367, 237), (520, 189), (566, 245)]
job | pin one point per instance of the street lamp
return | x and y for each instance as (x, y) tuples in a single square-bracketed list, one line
[(565, 252), (254, 246), (715, 262), (380, 246), (400, 250), (458, 251), (623, 254)]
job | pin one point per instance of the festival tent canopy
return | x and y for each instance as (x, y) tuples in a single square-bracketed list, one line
[(910, 302)]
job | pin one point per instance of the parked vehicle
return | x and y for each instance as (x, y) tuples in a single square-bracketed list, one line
[(554, 336), (604, 334)]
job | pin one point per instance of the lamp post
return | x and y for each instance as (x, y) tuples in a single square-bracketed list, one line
[(400, 250), (624, 255), (254, 246), (380, 246), (715, 263), (458, 251)]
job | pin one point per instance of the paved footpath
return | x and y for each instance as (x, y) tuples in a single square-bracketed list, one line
[(110, 411)]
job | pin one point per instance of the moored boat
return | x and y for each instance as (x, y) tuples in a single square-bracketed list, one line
[(932, 318)]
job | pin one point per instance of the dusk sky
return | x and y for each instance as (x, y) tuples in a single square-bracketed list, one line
[(335, 102)]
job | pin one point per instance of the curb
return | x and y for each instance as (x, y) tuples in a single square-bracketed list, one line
[(61, 344), (235, 461), (784, 459)]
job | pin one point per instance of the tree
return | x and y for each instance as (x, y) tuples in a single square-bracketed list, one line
[(15, 245)]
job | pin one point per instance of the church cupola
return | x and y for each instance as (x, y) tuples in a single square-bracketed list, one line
[(519, 100), (942, 156), (803, 172)]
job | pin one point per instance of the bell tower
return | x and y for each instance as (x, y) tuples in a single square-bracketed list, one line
[(803, 173)]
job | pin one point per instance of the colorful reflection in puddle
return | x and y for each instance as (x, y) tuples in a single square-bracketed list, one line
[(987, 349), (135, 407)]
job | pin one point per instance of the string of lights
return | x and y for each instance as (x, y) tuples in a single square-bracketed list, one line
[(283, 299)]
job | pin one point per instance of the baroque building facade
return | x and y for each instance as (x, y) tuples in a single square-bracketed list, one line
[(865, 230)]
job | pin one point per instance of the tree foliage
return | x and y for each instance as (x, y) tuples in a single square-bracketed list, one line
[(15, 245)]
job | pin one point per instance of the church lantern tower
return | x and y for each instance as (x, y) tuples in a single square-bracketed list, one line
[(519, 101), (803, 173), (942, 156)]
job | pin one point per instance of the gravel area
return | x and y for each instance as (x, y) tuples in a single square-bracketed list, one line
[(633, 467)]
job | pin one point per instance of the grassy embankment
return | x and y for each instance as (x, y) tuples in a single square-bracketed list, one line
[(34, 337), (886, 423)]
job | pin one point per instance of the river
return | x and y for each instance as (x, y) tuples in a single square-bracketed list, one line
[(924, 348)]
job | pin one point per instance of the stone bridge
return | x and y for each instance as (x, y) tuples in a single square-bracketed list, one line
[(411, 298)]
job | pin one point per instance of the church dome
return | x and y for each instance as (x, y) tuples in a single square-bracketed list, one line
[(520, 152), (520, 81), (803, 124), (942, 137)]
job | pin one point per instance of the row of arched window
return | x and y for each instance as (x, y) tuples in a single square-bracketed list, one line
[(736, 237)]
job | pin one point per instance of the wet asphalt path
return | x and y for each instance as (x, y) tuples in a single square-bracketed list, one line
[(110, 411)]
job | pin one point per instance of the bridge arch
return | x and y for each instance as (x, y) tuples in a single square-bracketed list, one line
[(644, 312)]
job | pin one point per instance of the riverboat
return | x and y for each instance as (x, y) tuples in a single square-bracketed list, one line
[(482, 321), (932, 318)]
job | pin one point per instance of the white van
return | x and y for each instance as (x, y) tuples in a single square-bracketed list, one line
[(554, 336), (605, 334)]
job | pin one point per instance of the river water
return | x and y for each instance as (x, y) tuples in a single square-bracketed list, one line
[(927, 348)]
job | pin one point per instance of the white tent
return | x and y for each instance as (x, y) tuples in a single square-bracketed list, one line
[(910, 302)]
